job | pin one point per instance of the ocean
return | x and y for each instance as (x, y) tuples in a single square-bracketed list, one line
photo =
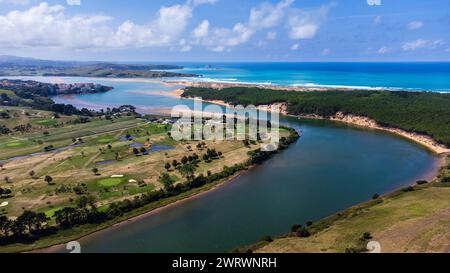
[(413, 76)]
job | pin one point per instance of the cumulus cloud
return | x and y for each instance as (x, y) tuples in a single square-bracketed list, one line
[(304, 24), (421, 44), (201, 30), (415, 25), (48, 25), (268, 15), (384, 50), (295, 47)]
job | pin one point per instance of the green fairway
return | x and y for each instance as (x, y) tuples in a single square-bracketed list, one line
[(16, 144), (105, 139), (47, 122), (111, 182)]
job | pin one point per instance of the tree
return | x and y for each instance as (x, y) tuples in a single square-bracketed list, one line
[(175, 163), (295, 228), (187, 171), (367, 236), (109, 147), (32, 173), (95, 171), (85, 201), (31, 220), (48, 179), (5, 226), (167, 166), (184, 160), (7, 179), (303, 233), (116, 156), (166, 180)]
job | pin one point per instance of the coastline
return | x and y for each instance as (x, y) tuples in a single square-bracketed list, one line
[(368, 123), (359, 121), (353, 120)]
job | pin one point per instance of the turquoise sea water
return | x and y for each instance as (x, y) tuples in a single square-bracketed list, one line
[(408, 76)]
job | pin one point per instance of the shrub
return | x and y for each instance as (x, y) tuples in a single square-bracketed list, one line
[(303, 233), (267, 238), (422, 182)]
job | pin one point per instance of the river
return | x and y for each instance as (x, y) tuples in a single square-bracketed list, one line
[(333, 166)]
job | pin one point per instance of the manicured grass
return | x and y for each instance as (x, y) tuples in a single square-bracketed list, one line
[(111, 182), (105, 139), (16, 144), (47, 122)]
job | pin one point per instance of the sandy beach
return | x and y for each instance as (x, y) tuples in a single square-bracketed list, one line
[(366, 122)]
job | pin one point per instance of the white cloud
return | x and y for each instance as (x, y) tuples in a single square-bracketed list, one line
[(295, 47), (421, 44), (271, 35), (184, 46), (415, 25), (264, 16), (201, 30), (48, 25), (304, 24), (384, 50), (268, 15)]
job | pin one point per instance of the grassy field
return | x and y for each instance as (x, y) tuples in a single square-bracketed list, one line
[(96, 158), (413, 221)]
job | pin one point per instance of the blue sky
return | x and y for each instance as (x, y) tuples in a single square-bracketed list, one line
[(227, 30)]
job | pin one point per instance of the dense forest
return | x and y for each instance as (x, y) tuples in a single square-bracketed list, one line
[(420, 112)]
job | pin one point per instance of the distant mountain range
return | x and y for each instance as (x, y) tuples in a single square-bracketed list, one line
[(20, 66)]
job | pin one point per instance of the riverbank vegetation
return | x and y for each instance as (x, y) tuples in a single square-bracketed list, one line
[(418, 112), (413, 219), (67, 175)]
